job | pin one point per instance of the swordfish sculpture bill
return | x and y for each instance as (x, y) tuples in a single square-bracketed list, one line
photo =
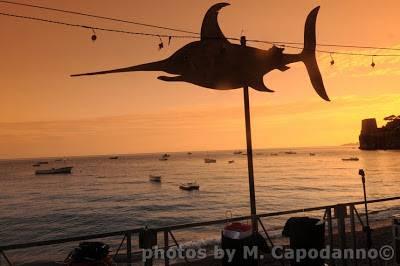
[(215, 63)]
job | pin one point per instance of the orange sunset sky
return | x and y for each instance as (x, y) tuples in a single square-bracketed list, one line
[(44, 112)]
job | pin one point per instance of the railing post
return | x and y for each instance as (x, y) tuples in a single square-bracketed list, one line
[(129, 247), (340, 211), (353, 231), (166, 246), (149, 240), (330, 231)]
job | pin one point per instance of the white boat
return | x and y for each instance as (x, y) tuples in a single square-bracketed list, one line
[(189, 186), (351, 159), (61, 170), (208, 160), (155, 178)]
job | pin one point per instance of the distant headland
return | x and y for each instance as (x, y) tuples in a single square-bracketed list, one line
[(384, 138)]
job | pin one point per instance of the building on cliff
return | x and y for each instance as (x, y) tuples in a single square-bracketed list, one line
[(384, 138)]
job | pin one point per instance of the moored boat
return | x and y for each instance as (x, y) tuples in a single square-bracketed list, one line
[(155, 178), (190, 186), (114, 158), (350, 159), (61, 170), (231, 161), (208, 160)]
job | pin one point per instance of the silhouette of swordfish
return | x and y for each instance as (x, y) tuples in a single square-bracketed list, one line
[(215, 63)]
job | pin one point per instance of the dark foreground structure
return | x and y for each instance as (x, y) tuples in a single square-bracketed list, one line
[(342, 228), (384, 138)]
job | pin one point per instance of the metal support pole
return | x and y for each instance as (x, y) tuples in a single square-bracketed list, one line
[(166, 246), (367, 228), (129, 247), (249, 151), (353, 231)]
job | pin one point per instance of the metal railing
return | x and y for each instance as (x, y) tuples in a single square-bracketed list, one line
[(340, 213)]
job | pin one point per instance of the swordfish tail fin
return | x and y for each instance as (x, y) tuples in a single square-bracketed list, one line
[(154, 66), (308, 54)]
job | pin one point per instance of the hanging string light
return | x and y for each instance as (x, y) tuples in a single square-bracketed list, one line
[(373, 63), (169, 40), (161, 44), (94, 36), (332, 61)]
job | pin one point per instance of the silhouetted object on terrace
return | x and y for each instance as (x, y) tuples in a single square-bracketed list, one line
[(305, 233), (384, 138), (215, 63)]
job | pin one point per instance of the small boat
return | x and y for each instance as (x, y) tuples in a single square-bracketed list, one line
[(189, 153), (237, 152), (57, 160), (312, 154), (274, 154), (208, 160), (114, 158), (350, 159), (231, 161), (163, 159), (43, 162), (155, 178), (62, 170), (166, 155), (36, 165), (290, 152), (189, 186)]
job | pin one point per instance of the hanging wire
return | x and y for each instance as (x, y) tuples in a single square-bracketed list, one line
[(186, 31), (292, 45), (373, 63), (97, 16), (95, 28)]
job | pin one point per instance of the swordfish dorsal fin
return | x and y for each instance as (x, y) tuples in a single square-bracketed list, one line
[(210, 28)]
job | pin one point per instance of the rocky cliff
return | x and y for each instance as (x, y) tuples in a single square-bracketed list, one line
[(385, 138)]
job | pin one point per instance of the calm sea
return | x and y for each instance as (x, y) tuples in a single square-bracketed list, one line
[(103, 195)]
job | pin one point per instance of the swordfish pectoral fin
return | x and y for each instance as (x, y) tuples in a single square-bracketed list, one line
[(175, 78), (260, 86)]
